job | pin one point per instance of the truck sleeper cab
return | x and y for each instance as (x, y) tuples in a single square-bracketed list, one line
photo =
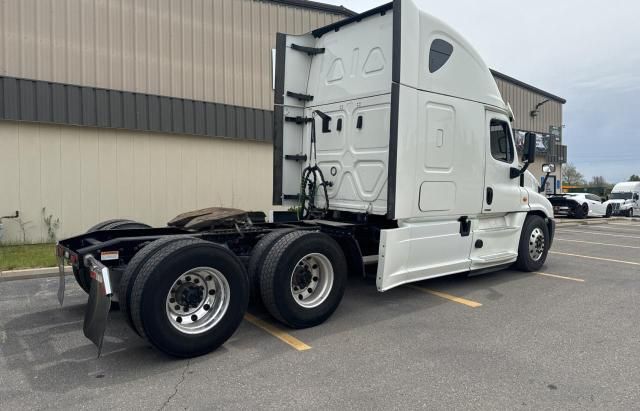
[(393, 145), (625, 199), (404, 120)]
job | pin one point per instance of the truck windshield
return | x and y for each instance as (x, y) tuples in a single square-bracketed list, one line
[(620, 196)]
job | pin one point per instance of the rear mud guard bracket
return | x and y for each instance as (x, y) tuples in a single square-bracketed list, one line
[(99, 304)]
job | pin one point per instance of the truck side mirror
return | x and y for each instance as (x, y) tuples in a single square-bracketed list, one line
[(548, 168), (530, 147)]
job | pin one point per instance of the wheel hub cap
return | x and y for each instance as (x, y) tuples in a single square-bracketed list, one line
[(536, 244), (190, 295), (312, 280), (197, 300), (302, 277)]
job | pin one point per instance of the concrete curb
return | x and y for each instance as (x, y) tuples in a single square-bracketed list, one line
[(599, 221), (31, 273)]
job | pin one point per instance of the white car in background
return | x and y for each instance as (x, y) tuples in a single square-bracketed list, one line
[(580, 205)]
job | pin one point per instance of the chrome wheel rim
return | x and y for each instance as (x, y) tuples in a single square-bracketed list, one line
[(311, 280), (536, 244), (197, 300)]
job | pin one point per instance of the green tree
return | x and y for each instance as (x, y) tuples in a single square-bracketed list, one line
[(571, 176), (634, 177), (598, 181)]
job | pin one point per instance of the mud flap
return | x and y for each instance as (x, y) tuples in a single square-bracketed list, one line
[(62, 281), (99, 303)]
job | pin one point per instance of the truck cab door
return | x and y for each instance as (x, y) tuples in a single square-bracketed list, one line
[(502, 194), (504, 204)]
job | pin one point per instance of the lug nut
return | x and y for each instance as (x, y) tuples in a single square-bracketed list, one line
[(179, 319), (212, 292), (196, 281), (209, 277), (206, 307), (194, 318), (185, 309), (310, 290), (177, 307), (315, 278), (172, 300)]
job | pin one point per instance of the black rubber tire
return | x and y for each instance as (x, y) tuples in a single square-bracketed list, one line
[(124, 225), (524, 261), (81, 276), (256, 261), (609, 211), (275, 278), (157, 275), (99, 226), (584, 213), (131, 272)]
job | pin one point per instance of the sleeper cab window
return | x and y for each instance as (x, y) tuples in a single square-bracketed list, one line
[(439, 53), (501, 141)]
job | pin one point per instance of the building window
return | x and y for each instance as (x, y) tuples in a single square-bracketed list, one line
[(501, 142), (439, 53)]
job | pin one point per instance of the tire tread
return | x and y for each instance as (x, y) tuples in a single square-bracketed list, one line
[(269, 271), (256, 261), (131, 272), (144, 274)]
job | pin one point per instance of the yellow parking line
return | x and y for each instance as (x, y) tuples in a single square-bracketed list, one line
[(591, 242), (277, 332), (595, 258), (564, 230), (449, 297), (562, 277)]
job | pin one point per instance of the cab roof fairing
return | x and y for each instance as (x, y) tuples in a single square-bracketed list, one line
[(465, 75)]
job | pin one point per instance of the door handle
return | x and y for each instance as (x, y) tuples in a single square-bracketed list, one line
[(489, 195)]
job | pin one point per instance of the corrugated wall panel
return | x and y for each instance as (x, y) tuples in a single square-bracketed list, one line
[(211, 50), (30, 100), (523, 101), (84, 175)]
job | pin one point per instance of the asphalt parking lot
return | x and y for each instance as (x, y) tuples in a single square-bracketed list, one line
[(567, 337)]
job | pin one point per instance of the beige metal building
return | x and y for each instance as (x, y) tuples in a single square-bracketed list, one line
[(146, 109), (539, 112), (138, 109)]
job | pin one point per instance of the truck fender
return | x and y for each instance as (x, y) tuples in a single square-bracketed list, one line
[(352, 253)]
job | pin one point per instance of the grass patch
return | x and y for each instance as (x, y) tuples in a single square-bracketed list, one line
[(15, 257)]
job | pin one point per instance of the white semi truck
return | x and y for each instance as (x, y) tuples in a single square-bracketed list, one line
[(393, 144), (625, 199)]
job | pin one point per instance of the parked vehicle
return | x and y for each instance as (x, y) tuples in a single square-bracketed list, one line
[(625, 199), (394, 145), (580, 205)]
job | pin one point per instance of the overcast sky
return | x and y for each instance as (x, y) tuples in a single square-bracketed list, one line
[(586, 51)]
